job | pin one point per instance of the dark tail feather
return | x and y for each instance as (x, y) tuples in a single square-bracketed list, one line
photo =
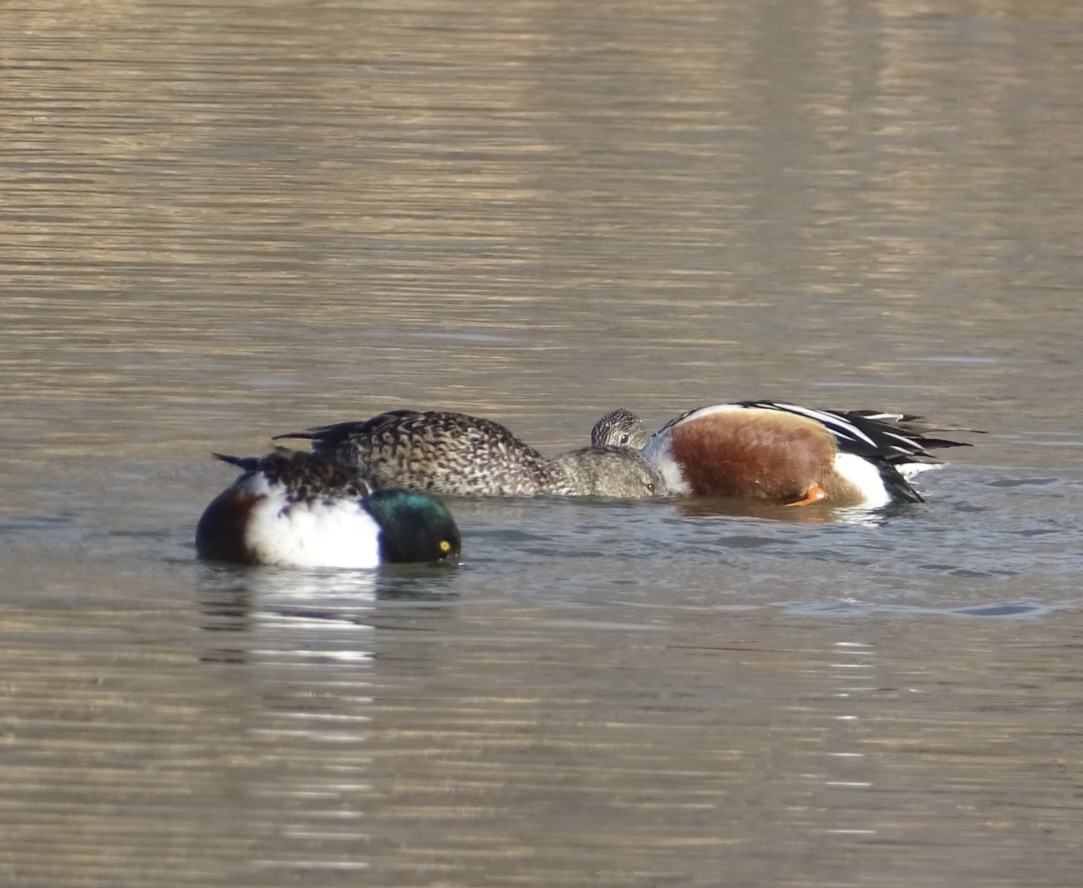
[(912, 424), (327, 439), (247, 463), (934, 443), (307, 436)]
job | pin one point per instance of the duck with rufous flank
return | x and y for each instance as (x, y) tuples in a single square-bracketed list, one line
[(784, 453)]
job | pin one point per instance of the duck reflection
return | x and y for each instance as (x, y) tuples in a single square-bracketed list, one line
[(821, 513), (326, 614)]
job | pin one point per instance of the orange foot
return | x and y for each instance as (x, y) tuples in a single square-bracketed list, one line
[(815, 494)]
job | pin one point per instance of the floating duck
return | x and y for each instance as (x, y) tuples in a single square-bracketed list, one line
[(304, 510), (783, 453), (620, 428), (456, 454)]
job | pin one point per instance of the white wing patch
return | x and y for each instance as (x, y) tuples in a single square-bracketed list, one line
[(657, 451), (865, 476), (333, 532), (705, 411), (837, 425)]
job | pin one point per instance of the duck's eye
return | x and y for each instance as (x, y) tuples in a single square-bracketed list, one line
[(650, 488), (445, 546), (624, 439)]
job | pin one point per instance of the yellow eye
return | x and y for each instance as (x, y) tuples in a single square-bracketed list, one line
[(445, 546)]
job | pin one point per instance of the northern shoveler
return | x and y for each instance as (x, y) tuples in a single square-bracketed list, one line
[(304, 510), (457, 454), (783, 453)]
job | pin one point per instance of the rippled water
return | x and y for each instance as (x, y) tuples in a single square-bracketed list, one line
[(225, 221)]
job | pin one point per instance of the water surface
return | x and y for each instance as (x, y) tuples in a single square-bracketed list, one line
[(225, 221)]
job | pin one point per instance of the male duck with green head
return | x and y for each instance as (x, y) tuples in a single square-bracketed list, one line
[(304, 510)]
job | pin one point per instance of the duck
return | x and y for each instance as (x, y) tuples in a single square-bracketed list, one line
[(456, 454), (620, 428), (301, 509), (783, 453)]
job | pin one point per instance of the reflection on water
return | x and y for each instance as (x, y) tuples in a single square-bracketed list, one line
[(223, 221)]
